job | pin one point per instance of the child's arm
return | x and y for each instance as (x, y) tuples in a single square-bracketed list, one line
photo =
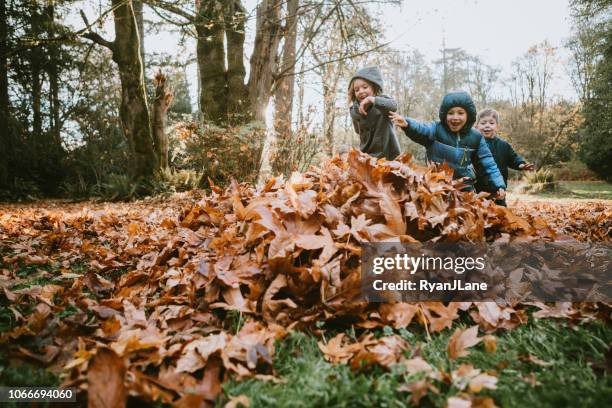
[(516, 162), (490, 167), (418, 132), (383, 103)]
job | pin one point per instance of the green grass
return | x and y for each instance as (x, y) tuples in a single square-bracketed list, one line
[(573, 379), (581, 190)]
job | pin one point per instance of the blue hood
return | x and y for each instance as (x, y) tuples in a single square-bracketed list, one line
[(463, 100)]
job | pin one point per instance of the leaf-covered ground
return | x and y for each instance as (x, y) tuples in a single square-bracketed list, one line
[(251, 296)]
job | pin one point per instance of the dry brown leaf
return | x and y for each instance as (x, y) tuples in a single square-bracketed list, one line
[(238, 401), (490, 343), (106, 380), (461, 340)]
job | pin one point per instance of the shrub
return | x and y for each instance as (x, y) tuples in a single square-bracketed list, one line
[(219, 154), (118, 187), (539, 181), (169, 181)]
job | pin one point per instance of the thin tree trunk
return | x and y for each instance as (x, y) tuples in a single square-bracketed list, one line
[(52, 71), (330, 90), (5, 134), (211, 61), (283, 96), (302, 87), (264, 60), (36, 56), (163, 99), (237, 92)]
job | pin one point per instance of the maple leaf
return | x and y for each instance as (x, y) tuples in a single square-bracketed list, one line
[(461, 340), (335, 352)]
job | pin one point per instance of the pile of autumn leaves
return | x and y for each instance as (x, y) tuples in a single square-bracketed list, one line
[(176, 299)]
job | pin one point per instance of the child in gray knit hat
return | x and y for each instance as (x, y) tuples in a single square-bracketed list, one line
[(369, 112)]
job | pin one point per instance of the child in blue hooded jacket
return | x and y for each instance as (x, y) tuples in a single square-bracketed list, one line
[(453, 140)]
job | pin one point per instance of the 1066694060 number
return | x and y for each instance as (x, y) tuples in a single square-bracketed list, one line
[(37, 394)]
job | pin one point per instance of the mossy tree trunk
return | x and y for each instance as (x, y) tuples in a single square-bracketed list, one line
[(133, 111)]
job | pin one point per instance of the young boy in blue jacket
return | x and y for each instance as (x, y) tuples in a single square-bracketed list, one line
[(504, 155), (453, 140)]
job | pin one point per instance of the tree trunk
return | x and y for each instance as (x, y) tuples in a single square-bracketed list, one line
[(54, 102), (330, 90), (237, 92), (211, 60), (300, 123), (264, 60), (134, 111), (283, 96), (36, 56), (163, 99), (5, 134), (140, 23)]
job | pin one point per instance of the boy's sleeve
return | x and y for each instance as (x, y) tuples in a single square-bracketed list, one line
[(421, 133), (385, 104), (490, 167), (515, 160)]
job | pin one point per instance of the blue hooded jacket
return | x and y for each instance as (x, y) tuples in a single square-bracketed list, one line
[(465, 150)]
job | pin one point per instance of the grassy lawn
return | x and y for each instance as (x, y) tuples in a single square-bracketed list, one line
[(574, 372), (569, 190)]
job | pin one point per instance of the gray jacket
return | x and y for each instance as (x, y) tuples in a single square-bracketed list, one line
[(376, 132)]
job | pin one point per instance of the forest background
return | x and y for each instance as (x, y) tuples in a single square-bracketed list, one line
[(86, 109)]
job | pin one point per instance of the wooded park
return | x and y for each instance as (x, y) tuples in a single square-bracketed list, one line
[(187, 189)]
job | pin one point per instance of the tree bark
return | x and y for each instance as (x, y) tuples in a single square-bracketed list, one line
[(330, 90), (211, 60), (163, 99), (140, 23), (5, 134), (264, 60), (54, 102), (237, 92), (134, 111), (283, 97), (36, 138)]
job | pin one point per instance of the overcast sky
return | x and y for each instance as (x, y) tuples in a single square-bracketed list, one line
[(497, 30)]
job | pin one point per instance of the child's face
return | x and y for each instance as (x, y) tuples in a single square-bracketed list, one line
[(456, 118), (488, 126), (362, 89)]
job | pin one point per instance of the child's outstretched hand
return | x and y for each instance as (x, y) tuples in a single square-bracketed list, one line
[(527, 166), (365, 103), (398, 119), (501, 194)]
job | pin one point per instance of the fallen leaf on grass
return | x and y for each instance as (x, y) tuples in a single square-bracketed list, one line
[(418, 390), (335, 352), (533, 359), (238, 401), (461, 340), (490, 343)]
